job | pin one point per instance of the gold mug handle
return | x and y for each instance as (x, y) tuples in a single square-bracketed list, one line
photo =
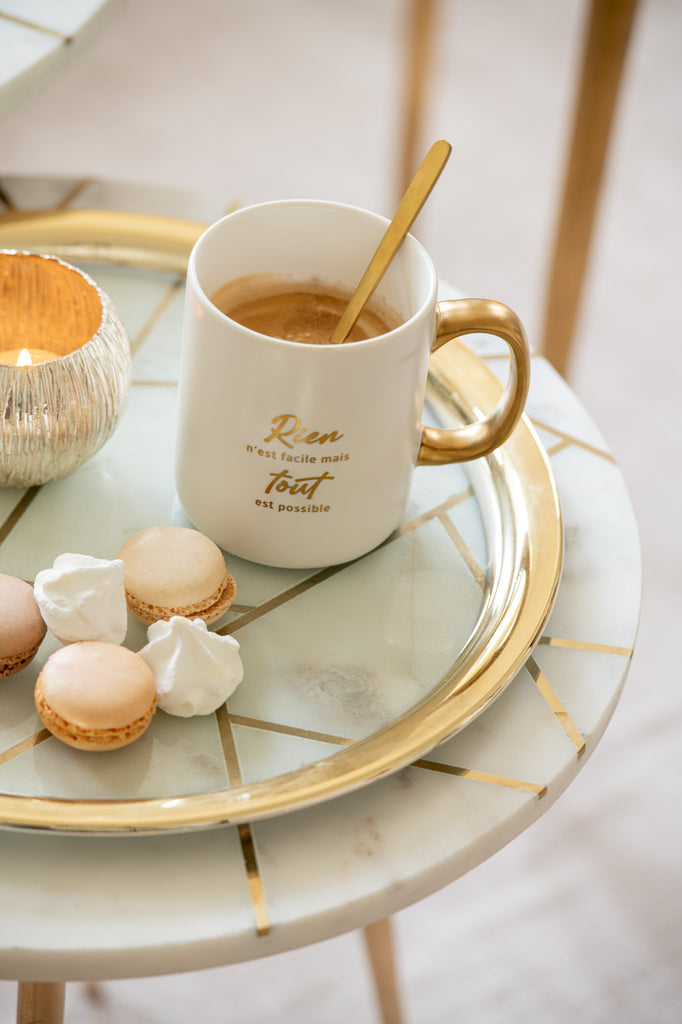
[(454, 318)]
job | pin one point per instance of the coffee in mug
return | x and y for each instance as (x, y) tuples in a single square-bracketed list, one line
[(302, 311)]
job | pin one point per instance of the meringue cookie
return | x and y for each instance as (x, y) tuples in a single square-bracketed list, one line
[(82, 598), (195, 670)]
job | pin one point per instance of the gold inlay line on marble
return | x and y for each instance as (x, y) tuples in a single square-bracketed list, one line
[(45, 29), (463, 550), (424, 763), (234, 773), (280, 599), (432, 513), (584, 645), (28, 744), (73, 193), (6, 200), (156, 315), (291, 730), (569, 439), (61, 204), (17, 512), (332, 570), (235, 205), (559, 447), (253, 878), (478, 776), (557, 707)]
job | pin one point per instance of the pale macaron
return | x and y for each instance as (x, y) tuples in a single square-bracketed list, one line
[(96, 695), (172, 570), (22, 628)]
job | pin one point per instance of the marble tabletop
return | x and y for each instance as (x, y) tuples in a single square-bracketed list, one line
[(98, 906), (39, 38)]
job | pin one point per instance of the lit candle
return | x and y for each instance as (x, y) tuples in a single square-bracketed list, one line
[(57, 414), (26, 356)]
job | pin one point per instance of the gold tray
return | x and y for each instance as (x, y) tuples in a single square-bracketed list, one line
[(396, 698)]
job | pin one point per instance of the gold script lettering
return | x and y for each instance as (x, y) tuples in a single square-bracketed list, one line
[(306, 485), (287, 424)]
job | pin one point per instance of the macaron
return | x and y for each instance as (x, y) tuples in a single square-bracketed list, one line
[(95, 695), (172, 570), (22, 627)]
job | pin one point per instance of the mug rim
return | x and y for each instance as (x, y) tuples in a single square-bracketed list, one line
[(378, 340)]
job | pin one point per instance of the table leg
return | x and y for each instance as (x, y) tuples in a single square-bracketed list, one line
[(605, 49), (379, 941), (40, 1002), (420, 35)]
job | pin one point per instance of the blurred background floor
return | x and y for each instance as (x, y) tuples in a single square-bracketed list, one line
[(580, 917)]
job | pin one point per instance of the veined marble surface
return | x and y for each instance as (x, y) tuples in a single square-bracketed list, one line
[(138, 905), (38, 38)]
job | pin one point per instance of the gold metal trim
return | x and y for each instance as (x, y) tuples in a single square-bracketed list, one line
[(482, 434), (521, 584), (108, 236)]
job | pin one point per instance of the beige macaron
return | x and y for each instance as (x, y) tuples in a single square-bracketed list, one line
[(96, 695), (172, 570), (22, 628)]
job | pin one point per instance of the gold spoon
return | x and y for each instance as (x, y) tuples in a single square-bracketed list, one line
[(418, 191)]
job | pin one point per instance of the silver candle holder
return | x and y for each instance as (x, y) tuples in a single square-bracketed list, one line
[(65, 368)]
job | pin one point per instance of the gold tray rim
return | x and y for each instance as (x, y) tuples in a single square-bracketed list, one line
[(515, 610)]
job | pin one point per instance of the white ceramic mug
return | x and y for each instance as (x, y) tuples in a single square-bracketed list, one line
[(300, 455)]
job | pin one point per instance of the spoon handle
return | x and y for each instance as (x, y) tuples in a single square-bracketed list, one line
[(418, 191)]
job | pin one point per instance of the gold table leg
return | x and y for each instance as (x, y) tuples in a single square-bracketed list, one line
[(605, 49), (40, 1002), (420, 32), (379, 941)]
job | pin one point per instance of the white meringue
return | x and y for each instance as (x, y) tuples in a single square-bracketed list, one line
[(83, 598), (195, 670)]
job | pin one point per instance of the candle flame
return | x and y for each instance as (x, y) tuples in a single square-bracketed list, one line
[(24, 358)]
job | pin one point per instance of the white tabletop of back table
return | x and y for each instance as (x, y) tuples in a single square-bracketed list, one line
[(96, 907), (38, 39)]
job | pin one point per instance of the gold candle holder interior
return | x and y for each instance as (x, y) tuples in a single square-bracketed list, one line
[(61, 408)]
